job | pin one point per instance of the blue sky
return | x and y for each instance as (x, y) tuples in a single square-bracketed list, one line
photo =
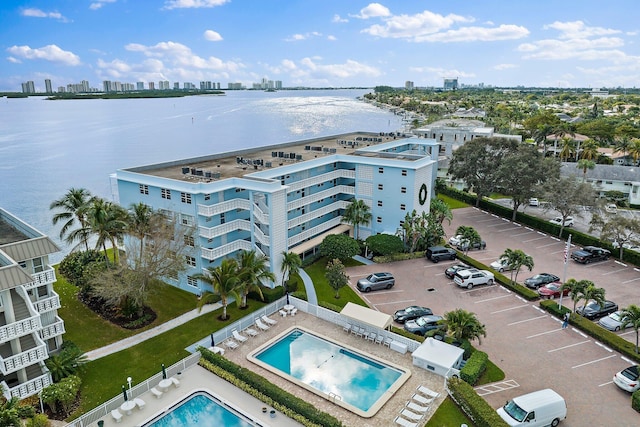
[(321, 43)]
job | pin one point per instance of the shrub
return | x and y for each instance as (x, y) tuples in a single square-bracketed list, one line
[(385, 244), (61, 396), (39, 420), (475, 367), (26, 411), (635, 400), (270, 295), (473, 405), (339, 246), (77, 267)]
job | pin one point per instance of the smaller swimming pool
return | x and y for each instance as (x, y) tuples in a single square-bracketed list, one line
[(203, 410), (346, 376)]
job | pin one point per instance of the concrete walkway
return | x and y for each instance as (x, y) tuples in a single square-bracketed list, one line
[(312, 298)]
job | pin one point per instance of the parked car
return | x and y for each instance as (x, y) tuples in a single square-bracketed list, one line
[(593, 310), (501, 265), (464, 245), (424, 324), (438, 253), (450, 272), (552, 290), (590, 254), (534, 202), (376, 281), (473, 277), (628, 379), (613, 322), (455, 240), (611, 208), (410, 313), (568, 221), (541, 279)]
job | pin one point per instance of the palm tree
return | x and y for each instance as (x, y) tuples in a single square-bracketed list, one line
[(585, 164), (9, 415), (140, 222), (252, 270), (589, 150), (73, 207), (568, 148), (357, 214), (634, 150), (561, 130), (540, 136), (631, 316), (464, 325), (291, 264), (440, 210), (224, 280), (66, 363), (516, 259), (108, 222), (623, 146), (575, 289), (592, 293)]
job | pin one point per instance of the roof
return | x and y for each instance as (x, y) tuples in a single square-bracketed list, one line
[(439, 353), (603, 172), (367, 315)]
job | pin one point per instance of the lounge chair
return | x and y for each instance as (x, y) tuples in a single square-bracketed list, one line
[(387, 341), (346, 327), (251, 332), (372, 336), (157, 393), (231, 344), (283, 313), (411, 415), (217, 350), (175, 381), (379, 339), (354, 330), (421, 399), (417, 408), (261, 325), (139, 402), (427, 391), (268, 320), (238, 336), (117, 416), (405, 423), (360, 332)]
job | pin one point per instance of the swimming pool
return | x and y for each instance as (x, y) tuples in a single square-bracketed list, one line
[(200, 409), (356, 381)]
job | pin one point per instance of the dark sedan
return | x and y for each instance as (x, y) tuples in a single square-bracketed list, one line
[(594, 311), (540, 280), (423, 324), (410, 313), (451, 271)]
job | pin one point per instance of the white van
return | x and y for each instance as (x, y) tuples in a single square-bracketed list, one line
[(540, 408)]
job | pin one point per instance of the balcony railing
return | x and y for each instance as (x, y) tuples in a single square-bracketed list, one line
[(218, 208), (48, 304), (317, 213), (53, 330), (43, 278), (319, 179), (307, 234), (20, 328), (304, 201), (221, 251), (21, 360), (27, 388), (228, 227)]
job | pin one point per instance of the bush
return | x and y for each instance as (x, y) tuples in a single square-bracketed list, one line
[(77, 267), (339, 246), (475, 367), (39, 420), (398, 257), (385, 244), (61, 396), (270, 295), (26, 411), (473, 405), (635, 400)]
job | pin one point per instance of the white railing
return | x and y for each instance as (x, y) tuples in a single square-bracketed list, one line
[(43, 278), (222, 229), (343, 204), (20, 328), (229, 205), (259, 215), (319, 229), (27, 388), (90, 418), (260, 236), (48, 304), (22, 292), (53, 330), (219, 252), (319, 179), (304, 201), (23, 359)]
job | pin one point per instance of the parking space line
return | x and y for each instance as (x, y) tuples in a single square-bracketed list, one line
[(491, 299), (506, 229), (526, 320), (529, 228), (605, 384), (593, 361), (485, 220), (613, 272), (510, 308), (579, 332), (632, 280), (627, 360), (544, 246), (568, 346), (545, 333), (396, 302), (555, 238), (387, 292), (627, 333), (521, 234), (541, 233), (604, 346), (533, 240), (621, 263)]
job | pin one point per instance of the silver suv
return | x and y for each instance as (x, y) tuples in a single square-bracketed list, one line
[(376, 281), (473, 277)]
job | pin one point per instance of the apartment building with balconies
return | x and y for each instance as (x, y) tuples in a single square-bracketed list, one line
[(30, 328), (283, 198)]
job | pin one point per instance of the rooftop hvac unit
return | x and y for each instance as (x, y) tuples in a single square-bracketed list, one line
[(208, 174), (185, 170)]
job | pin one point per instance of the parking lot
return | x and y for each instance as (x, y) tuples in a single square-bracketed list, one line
[(524, 341)]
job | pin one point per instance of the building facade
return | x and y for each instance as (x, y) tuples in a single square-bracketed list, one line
[(283, 198), (30, 328)]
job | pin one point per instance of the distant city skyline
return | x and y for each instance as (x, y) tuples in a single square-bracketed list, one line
[(320, 43)]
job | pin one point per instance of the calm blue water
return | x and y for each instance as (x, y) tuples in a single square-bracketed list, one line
[(47, 147), (330, 368), (202, 411)]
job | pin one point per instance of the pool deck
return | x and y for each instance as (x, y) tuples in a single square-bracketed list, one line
[(197, 378)]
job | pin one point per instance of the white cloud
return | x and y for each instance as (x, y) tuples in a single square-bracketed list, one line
[(578, 29), (373, 10), (440, 72), (332, 38), (338, 20), (305, 36), (49, 53), (37, 13), (14, 60), (192, 4), (99, 3), (415, 26), (212, 36), (504, 66), (472, 34)]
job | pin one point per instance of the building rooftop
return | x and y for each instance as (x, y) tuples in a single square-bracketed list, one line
[(9, 233), (241, 162)]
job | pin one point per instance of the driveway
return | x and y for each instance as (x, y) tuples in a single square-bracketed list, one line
[(527, 343)]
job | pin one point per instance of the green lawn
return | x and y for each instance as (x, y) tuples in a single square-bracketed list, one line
[(452, 203), (325, 292), (447, 415)]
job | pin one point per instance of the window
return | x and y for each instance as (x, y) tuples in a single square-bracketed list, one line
[(222, 218), (185, 198), (23, 264), (379, 203), (188, 240), (187, 220), (144, 189), (380, 170), (38, 266), (165, 193), (403, 190), (207, 196), (404, 172), (380, 187), (401, 223), (379, 219), (42, 291), (403, 207), (190, 260), (191, 281)]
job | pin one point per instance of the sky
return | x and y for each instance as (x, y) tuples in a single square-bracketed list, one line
[(321, 43)]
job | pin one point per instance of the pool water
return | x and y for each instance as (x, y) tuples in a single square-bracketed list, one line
[(200, 410), (330, 368)]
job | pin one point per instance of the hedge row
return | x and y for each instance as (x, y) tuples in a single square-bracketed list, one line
[(635, 400), (474, 367), (272, 395), (473, 405)]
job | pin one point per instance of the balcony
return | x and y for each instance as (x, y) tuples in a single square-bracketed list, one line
[(53, 330), (304, 201), (47, 304), (219, 252), (27, 388), (42, 278), (20, 328), (317, 213), (229, 205), (320, 179), (226, 228), (308, 234), (23, 359)]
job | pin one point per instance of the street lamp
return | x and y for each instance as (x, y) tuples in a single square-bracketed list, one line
[(129, 379)]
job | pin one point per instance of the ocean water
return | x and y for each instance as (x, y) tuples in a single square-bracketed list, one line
[(47, 147)]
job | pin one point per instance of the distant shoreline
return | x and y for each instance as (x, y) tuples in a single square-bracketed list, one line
[(132, 95)]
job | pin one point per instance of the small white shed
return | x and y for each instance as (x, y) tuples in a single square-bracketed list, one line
[(438, 357)]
